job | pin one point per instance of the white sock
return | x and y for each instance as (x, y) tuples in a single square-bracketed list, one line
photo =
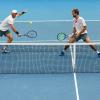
[(98, 51), (4, 47), (64, 51)]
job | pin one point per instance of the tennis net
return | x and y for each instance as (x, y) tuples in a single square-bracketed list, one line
[(43, 58)]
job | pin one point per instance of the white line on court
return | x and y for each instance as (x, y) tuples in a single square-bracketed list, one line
[(74, 74), (24, 21), (76, 86), (56, 21)]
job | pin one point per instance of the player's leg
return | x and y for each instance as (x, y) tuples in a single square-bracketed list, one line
[(1, 33), (10, 39), (88, 40), (72, 39)]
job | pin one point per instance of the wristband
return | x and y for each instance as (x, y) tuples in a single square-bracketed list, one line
[(17, 32), (23, 12)]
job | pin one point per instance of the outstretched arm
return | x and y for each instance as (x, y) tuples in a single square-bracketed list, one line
[(74, 30), (82, 31), (14, 29), (20, 14)]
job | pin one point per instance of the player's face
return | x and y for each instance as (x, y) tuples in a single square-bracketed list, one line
[(14, 15), (74, 14)]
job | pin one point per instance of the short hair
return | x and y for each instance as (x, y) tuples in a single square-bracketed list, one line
[(76, 11)]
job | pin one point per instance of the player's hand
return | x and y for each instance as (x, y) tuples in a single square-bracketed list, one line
[(77, 35), (19, 35), (23, 12)]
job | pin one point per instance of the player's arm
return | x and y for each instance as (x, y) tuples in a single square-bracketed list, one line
[(83, 30), (74, 30), (22, 13), (14, 29)]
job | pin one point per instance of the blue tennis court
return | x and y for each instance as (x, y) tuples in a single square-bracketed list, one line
[(38, 72), (47, 87), (34, 69)]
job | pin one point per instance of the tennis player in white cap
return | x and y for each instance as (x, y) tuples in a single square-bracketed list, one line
[(7, 23)]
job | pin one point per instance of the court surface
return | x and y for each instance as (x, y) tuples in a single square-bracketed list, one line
[(57, 82), (47, 87)]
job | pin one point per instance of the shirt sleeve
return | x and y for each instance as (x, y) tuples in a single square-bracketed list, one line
[(83, 22)]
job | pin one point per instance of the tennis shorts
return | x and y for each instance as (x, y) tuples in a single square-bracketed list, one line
[(82, 36), (4, 33)]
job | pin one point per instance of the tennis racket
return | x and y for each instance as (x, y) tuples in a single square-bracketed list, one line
[(30, 34), (62, 36)]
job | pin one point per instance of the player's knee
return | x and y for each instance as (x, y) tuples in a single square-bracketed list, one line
[(10, 38), (72, 41)]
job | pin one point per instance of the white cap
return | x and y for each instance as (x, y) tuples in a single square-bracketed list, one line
[(14, 11)]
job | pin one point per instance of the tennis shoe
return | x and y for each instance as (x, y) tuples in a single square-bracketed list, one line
[(62, 53), (98, 55)]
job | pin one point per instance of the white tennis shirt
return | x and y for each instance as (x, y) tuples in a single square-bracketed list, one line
[(4, 26), (79, 24)]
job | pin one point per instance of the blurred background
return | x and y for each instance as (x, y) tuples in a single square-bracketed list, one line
[(51, 10)]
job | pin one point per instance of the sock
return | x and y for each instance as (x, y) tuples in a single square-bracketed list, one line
[(4, 47), (63, 51), (98, 51)]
